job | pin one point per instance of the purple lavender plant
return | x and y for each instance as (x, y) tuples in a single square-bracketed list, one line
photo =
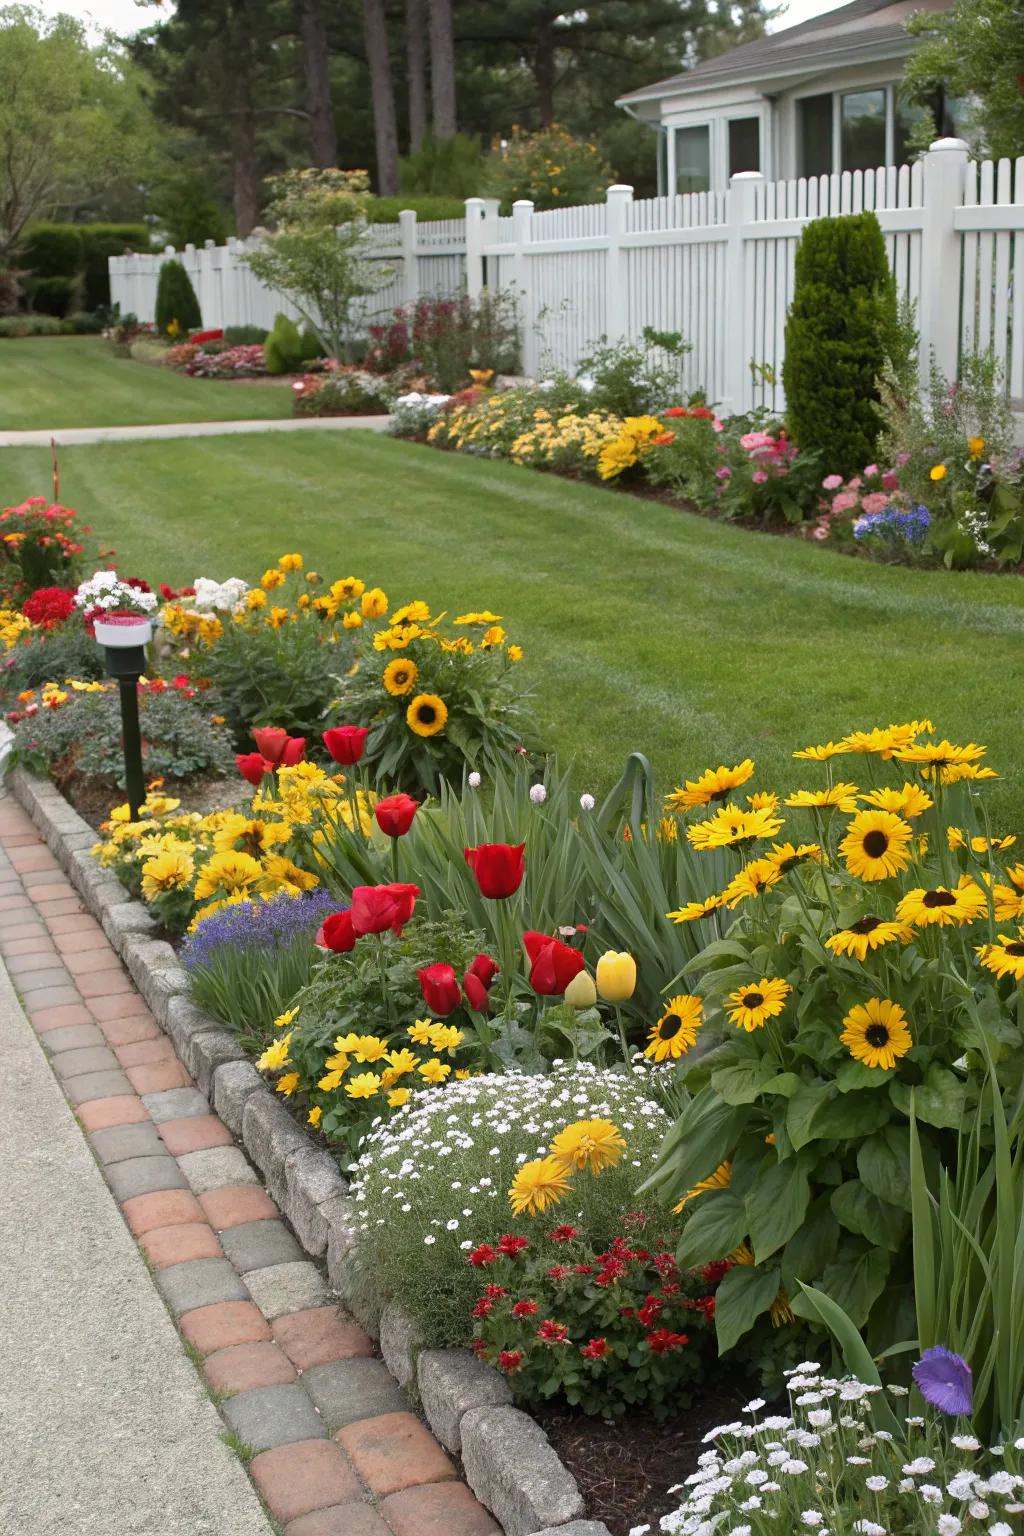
[(945, 1380), (263, 925)]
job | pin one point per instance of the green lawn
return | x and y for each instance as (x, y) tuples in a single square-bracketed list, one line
[(643, 627), (76, 381)]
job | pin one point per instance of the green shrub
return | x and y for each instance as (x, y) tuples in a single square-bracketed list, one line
[(552, 168), (385, 210), (67, 650), (99, 242), (283, 348), (841, 325), (52, 250), (87, 322), (245, 335), (342, 394), (52, 295), (445, 168), (631, 378), (177, 308), (78, 253), (29, 325)]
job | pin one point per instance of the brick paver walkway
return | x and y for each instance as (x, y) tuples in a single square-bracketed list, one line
[(335, 1449)]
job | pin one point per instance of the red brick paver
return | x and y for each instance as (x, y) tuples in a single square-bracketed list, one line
[(440, 1509), (124, 1109), (318, 1336), (232, 1206), (224, 1324), (195, 1134), (310, 1474), (243, 1367), (176, 1245), (166, 1208), (394, 1451)]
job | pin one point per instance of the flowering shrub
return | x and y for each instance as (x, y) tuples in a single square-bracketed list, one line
[(432, 1183), (827, 1465), (550, 167), (243, 362), (105, 594), (768, 478), (450, 340), (608, 1331), (686, 455), (344, 392), (413, 414), (40, 546), (857, 965), (41, 653)]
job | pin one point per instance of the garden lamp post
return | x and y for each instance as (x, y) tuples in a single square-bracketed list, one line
[(124, 640)]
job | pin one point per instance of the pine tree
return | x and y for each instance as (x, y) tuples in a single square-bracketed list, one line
[(177, 308)]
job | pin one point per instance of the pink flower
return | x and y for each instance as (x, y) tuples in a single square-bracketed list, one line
[(890, 480), (902, 458), (723, 472), (855, 483), (759, 476), (845, 501), (717, 426), (821, 532), (874, 501), (871, 470), (832, 482)]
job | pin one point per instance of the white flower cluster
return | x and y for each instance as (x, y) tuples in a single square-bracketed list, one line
[(974, 523), (825, 1468), (106, 590), (413, 413), (219, 596)]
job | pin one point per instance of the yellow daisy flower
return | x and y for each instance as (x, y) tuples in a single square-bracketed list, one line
[(714, 784), (754, 1004), (537, 1185), (841, 796), (965, 903), (427, 714), (875, 846), (867, 933), (677, 1028), (876, 1033), (399, 676), (593, 1144)]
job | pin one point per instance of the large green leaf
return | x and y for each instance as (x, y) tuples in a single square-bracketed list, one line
[(744, 1293), (800, 1113), (825, 1309), (702, 1138), (812, 1247), (776, 1205), (850, 1114), (884, 1166), (938, 1101), (855, 1285), (717, 1226), (856, 1209), (744, 1082)]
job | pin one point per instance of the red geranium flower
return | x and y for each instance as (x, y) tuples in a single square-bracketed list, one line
[(524, 1309), (563, 1234), (498, 868), (552, 963), (48, 606), (345, 743), (395, 814), (551, 1332), (495, 1292), (595, 1350), (510, 1360), (663, 1341), (336, 933), (376, 908), (280, 749), (511, 1246), (482, 1254), (440, 989), (650, 1311), (558, 1271), (484, 1307)]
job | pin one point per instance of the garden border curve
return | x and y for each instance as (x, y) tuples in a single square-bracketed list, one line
[(508, 1459)]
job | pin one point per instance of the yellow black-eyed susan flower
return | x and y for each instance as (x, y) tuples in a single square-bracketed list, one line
[(694, 909), (867, 933), (875, 846), (677, 1028), (714, 784), (876, 1033), (753, 1005), (1006, 956), (399, 676), (909, 800), (841, 796), (786, 856), (943, 760), (946, 908), (821, 754), (730, 826), (752, 880), (427, 714), (720, 1179)]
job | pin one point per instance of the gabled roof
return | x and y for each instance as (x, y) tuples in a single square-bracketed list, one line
[(844, 36)]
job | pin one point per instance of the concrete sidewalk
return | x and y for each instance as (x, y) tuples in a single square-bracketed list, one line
[(74, 436), (107, 1429)]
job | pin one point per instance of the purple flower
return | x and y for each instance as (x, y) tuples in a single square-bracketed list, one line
[(265, 925), (945, 1380)]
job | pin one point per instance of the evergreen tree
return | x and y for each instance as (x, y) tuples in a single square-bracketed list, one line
[(177, 308)]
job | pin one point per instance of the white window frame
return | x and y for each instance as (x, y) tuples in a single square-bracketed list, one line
[(889, 87), (717, 124)]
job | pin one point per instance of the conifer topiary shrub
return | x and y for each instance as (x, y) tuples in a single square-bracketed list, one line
[(841, 324), (177, 308), (282, 349)]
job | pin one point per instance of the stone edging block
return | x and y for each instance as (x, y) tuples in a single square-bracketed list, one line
[(510, 1463)]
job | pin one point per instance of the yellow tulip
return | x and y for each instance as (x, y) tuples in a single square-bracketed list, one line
[(581, 992), (616, 976)]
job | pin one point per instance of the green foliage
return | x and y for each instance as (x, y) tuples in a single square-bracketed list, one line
[(686, 466), (974, 52), (188, 214), (29, 325), (52, 250), (349, 392), (99, 243), (632, 378), (265, 676), (446, 168), (470, 1140), (447, 338), (82, 738), (385, 210), (52, 295), (840, 327), (551, 168), (51, 655), (283, 347), (245, 335), (177, 308)]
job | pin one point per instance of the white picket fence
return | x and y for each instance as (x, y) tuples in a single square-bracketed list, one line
[(717, 267)]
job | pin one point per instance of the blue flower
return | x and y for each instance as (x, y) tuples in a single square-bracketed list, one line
[(893, 525), (264, 925), (945, 1380)]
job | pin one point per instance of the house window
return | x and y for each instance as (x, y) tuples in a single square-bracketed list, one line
[(814, 118), (862, 129), (693, 159), (744, 144)]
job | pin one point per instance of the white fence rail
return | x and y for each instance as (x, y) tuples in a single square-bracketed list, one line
[(717, 267)]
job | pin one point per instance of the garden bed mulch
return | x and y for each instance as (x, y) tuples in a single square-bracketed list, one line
[(625, 1467), (93, 799)]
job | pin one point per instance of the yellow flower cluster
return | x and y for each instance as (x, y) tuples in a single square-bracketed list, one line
[(590, 1145), (12, 626), (629, 447), (568, 440)]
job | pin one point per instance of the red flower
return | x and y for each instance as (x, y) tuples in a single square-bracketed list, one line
[(484, 1307), (553, 964), (558, 1271), (563, 1234), (524, 1309), (479, 1347), (583, 1269), (551, 1332), (511, 1246), (650, 1311), (280, 749), (495, 1292), (48, 606), (712, 1273), (345, 743), (665, 1264), (484, 968), (476, 983), (482, 1254), (440, 989), (663, 1341), (336, 933), (676, 410), (595, 1350), (376, 908), (252, 766), (613, 1270), (510, 1360), (394, 815), (498, 868)]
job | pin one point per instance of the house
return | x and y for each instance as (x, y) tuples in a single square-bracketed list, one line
[(809, 100)]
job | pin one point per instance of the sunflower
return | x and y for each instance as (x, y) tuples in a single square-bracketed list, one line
[(875, 845), (676, 1030), (866, 933), (1007, 903), (786, 856), (841, 796), (538, 1185), (876, 1032), (757, 1002), (593, 1144), (965, 903), (694, 909), (781, 1312), (720, 1179), (426, 714), (943, 760), (753, 879), (713, 784), (730, 826), (909, 800), (399, 676), (1005, 956), (821, 754)]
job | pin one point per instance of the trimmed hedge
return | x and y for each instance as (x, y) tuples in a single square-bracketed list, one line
[(385, 210), (77, 255)]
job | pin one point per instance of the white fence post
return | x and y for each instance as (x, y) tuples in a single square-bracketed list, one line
[(476, 209), (616, 297), (522, 217), (945, 167), (741, 210), (410, 264)]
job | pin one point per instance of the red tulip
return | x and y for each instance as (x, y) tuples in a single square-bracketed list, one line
[(440, 989), (485, 969), (336, 933), (280, 749), (552, 963), (345, 743), (498, 868), (395, 814), (376, 908), (252, 766)]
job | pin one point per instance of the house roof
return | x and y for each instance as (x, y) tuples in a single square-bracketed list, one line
[(862, 30)]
